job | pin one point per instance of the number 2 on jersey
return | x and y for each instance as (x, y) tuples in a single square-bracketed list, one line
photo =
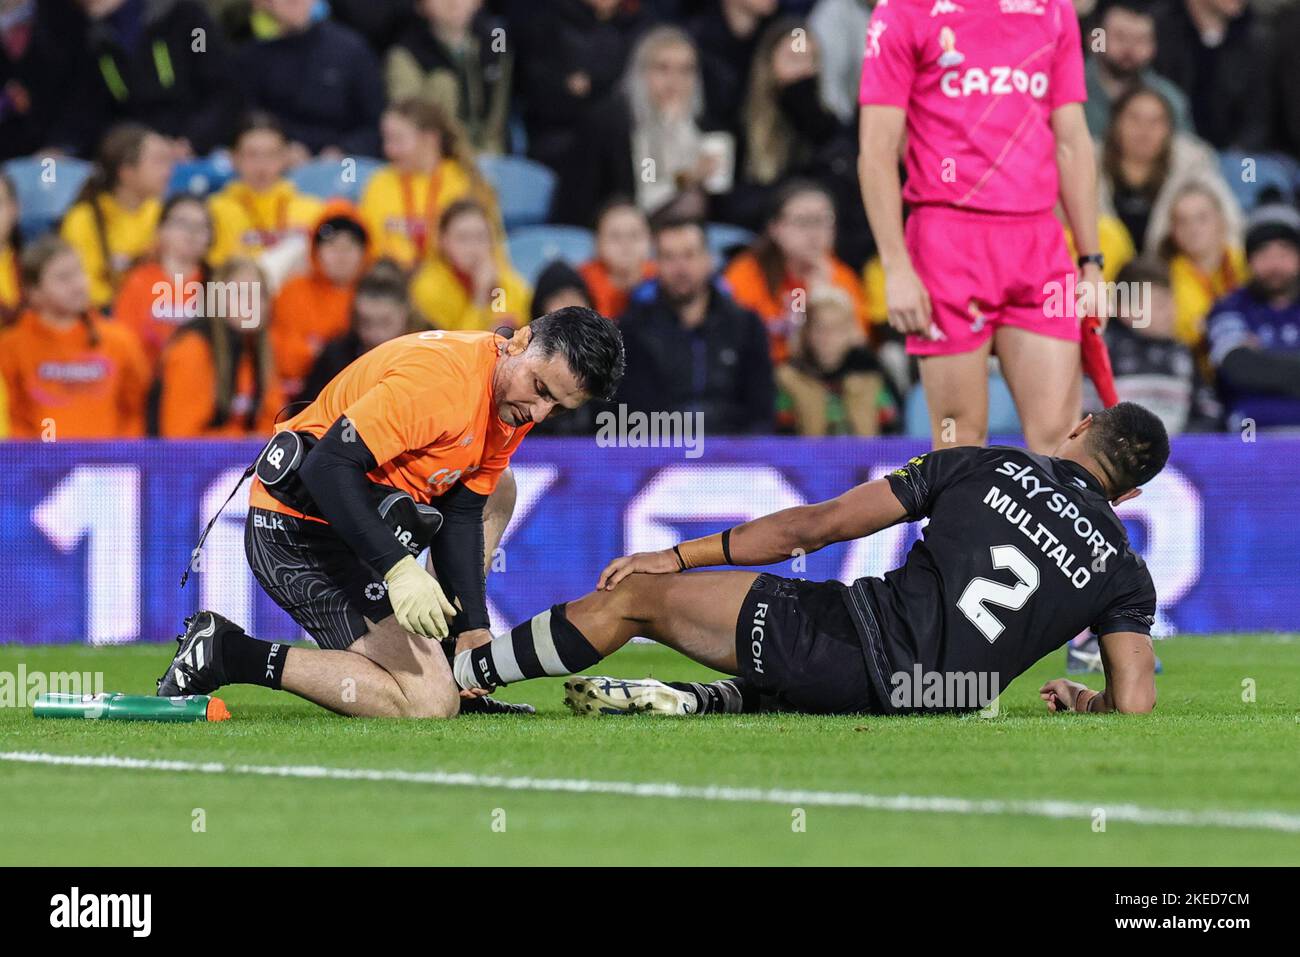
[(981, 592)]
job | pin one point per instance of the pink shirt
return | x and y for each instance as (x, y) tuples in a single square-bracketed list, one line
[(979, 80)]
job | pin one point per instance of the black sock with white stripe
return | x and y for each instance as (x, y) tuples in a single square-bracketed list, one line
[(250, 661), (728, 696), (547, 645)]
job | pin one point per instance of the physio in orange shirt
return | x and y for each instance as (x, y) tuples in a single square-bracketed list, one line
[(165, 291), (314, 308), (436, 415), (622, 257), (69, 373), (216, 378), (795, 253)]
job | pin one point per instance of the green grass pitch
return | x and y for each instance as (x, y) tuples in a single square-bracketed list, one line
[(1205, 750)]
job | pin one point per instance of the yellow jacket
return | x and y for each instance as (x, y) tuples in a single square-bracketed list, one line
[(130, 234), (401, 216), (444, 299), (245, 222), (1194, 292)]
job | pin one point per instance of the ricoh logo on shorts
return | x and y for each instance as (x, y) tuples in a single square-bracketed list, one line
[(75, 910), (995, 81), (757, 633)]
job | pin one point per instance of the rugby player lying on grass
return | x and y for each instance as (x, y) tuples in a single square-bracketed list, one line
[(432, 417), (1021, 553)]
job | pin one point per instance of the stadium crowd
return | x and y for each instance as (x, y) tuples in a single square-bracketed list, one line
[(366, 169)]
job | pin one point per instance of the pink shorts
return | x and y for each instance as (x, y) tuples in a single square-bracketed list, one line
[(983, 270)]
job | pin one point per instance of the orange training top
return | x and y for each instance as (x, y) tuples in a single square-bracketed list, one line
[(187, 400), (62, 386), (423, 405), (154, 317), (606, 298)]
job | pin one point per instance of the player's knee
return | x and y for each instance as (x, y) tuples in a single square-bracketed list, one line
[(430, 706)]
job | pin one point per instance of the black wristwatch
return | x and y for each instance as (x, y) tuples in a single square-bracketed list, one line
[(1096, 259)]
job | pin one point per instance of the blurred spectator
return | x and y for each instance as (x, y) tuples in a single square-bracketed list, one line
[(217, 375), (1123, 62), (1217, 52), (456, 56), (1144, 163), (161, 63), (622, 260), (1113, 240), (159, 295), (559, 285), (470, 284), (1151, 366), (380, 311), (319, 78), (69, 373), (793, 255), (726, 35), (787, 131), (645, 141), (380, 22), (4, 410), (11, 245), (1254, 333), (430, 167), (1284, 80), (114, 221), (1205, 261), (832, 384), (261, 207), (312, 309), (37, 42), (840, 27), (571, 55), (691, 347)]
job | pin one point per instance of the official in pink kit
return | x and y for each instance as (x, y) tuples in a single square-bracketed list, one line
[(989, 94)]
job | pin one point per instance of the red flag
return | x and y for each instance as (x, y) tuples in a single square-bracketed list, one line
[(1096, 361)]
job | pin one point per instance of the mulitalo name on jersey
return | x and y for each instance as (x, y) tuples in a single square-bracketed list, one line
[(1059, 504)]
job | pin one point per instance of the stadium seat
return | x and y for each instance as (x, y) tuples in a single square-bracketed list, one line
[(523, 188), (1003, 419), (328, 178), (532, 248), (46, 187), (201, 177), (1272, 171), (724, 238)]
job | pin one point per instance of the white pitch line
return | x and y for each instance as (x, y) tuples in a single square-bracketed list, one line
[(906, 803)]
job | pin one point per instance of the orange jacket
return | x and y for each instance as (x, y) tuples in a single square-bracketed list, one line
[(61, 386), (749, 288), (154, 315), (310, 311), (187, 384), (606, 298)]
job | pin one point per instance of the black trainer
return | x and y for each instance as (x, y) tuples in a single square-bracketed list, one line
[(486, 705), (196, 668)]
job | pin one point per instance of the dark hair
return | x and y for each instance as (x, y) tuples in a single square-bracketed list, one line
[(1145, 269), (258, 121), (662, 224), (614, 203), (590, 344), (383, 280), (1137, 8), (1130, 444)]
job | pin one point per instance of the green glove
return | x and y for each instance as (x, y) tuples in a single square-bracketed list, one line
[(418, 600)]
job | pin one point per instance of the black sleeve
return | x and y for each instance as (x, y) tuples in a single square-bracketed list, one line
[(457, 553), (1254, 370), (334, 472), (1134, 605), (918, 484)]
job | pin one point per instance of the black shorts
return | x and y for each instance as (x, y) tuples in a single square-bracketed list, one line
[(796, 644), (310, 573)]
